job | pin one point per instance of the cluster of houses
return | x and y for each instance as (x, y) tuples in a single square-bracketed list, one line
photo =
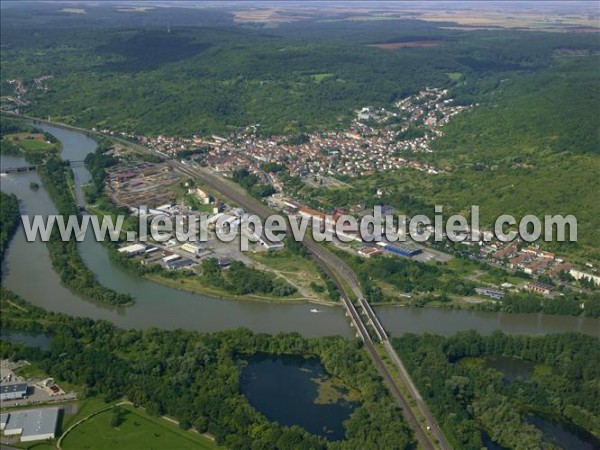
[(535, 262), (377, 140)]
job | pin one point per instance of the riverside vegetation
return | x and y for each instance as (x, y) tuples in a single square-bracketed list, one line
[(470, 399), (195, 377)]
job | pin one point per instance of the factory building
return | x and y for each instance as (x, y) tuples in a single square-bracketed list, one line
[(132, 250), (12, 391), (402, 249), (191, 248), (31, 424)]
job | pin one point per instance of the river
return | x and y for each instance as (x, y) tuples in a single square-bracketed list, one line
[(28, 272)]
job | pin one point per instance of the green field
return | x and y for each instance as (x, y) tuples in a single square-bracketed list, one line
[(137, 431), (34, 145), (318, 77), (39, 446), (29, 142)]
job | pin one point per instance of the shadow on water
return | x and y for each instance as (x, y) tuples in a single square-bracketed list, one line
[(564, 435)]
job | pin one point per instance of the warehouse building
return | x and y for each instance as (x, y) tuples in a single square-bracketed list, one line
[(402, 249), (32, 424), (191, 248), (134, 249), (179, 263), (13, 391)]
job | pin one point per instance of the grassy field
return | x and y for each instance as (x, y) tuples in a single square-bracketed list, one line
[(318, 77), (300, 271), (137, 431), (34, 145), (198, 286), (30, 142), (37, 446), (30, 371)]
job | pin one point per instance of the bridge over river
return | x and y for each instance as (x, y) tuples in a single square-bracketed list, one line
[(35, 167), (428, 434)]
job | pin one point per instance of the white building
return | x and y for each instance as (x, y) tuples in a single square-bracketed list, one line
[(578, 275), (134, 249), (32, 424), (191, 248), (12, 391)]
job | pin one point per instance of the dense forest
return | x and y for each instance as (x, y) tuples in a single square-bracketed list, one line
[(534, 123), (470, 398), (9, 220), (572, 303), (240, 279), (215, 76), (195, 377)]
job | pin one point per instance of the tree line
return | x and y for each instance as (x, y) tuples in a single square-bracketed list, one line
[(195, 377), (471, 399), (9, 220), (64, 255)]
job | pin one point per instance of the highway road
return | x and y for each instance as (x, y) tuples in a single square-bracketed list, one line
[(429, 436)]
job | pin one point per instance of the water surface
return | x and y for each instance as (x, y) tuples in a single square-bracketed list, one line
[(564, 435), (28, 272), (284, 389)]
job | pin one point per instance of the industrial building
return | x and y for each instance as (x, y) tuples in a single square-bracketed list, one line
[(13, 391), (402, 249), (191, 248), (179, 263), (134, 249), (540, 288), (31, 424)]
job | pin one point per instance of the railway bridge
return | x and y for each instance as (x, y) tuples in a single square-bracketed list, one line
[(31, 168)]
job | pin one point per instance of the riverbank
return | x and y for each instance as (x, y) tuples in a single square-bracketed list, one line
[(64, 255), (160, 306), (196, 286), (84, 131)]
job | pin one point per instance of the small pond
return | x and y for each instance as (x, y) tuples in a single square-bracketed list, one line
[(29, 339), (511, 368), (293, 390), (489, 444)]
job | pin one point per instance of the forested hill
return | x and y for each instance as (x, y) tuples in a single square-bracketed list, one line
[(529, 145), (156, 74)]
